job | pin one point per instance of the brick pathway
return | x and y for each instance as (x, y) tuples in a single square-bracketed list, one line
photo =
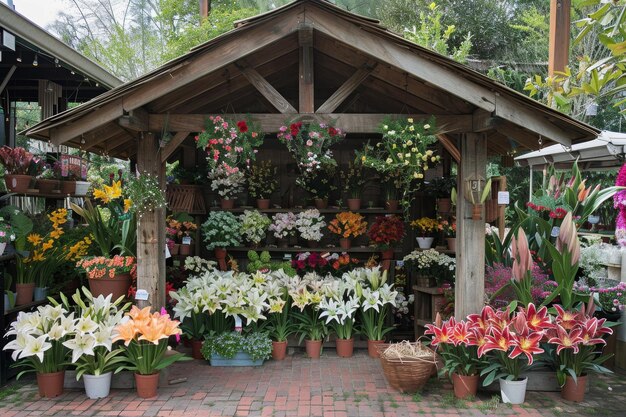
[(330, 387)]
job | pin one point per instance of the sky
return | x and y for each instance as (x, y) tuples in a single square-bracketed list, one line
[(42, 12)]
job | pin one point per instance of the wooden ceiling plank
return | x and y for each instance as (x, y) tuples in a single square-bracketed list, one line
[(306, 72), (271, 122), (267, 90), (172, 145), (346, 89), (101, 135)]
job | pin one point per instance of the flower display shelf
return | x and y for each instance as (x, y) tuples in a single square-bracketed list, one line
[(36, 193), (322, 211), (428, 301), (364, 249), (185, 198)]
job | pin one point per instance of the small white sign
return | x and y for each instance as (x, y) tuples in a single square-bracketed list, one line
[(238, 324), (141, 295), (287, 256), (399, 264), (503, 198), (555, 231), (167, 252), (187, 240)]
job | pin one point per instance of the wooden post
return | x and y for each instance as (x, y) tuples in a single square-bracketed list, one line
[(559, 35), (151, 230), (470, 264), (306, 76)]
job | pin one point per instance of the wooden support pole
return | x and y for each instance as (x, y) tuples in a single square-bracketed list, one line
[(559, 35), (151, 230), (306, 76), (470, 265)]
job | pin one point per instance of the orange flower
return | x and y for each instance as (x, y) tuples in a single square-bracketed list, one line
[(138, 315), (126, 332), (152, 330), (347, 224)]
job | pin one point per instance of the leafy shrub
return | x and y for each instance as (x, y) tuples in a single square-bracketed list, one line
[(257, 344)]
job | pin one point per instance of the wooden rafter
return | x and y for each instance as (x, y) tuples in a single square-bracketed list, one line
[(346, 89), (306, 76), (448, 144), (267, 90), (172, 145)]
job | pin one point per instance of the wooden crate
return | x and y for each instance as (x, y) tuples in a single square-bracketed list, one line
[(185, 198)]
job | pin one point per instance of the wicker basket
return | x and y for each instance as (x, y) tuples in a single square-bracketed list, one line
[(407, 375)]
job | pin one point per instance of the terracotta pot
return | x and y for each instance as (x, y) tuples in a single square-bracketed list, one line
[(220, 255), (354, 204), (17, 183), (312, 244), (184, 250), (345, 244), (50, 384), (68, 187), (391, 205), (477, 212), (313, 348), (117, 286), (263, 203), (465, 385), (451, 243), (175, 250), (574, 390), (444, 205), (320, 203), (227, 204), (387, 254), (373, 346), (344, 347), (147, 385), (196, 349), (279, 350), (47, 186), (24, 293)]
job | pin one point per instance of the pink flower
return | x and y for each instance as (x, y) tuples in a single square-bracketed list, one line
[(309, 142)]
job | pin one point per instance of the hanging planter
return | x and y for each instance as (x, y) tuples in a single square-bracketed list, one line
[(425, 242)]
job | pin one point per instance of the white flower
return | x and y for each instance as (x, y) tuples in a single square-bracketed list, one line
[(104, 337), (17, 345), (35, 346), (81, 344), (86, 325)]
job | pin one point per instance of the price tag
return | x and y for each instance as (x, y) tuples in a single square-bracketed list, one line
[(187, 240), (238, 324), (167, 252), (555, 231), (503, 198), (287, 256), (141, 295), (399, 264)]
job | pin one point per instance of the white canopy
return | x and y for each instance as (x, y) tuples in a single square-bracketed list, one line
[(605, 152)]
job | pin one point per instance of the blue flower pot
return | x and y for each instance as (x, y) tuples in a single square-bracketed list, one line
[(240, 359)]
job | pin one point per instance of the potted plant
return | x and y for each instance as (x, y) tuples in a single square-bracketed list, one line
[(145, 337), (279, 323), (191, 310), (228, 182), (573, 340), (262, 262), (254, 225), (510, 343), (283, 227), (221, 230), (425, 227), (347, 225), (17, 164), (309, 224), (309, 144), (47, 182), (431, 267), (441, 188), (312, 329), (457, 344), (376, 296), (353, 180), (403, 155), (339, 310), (93, 353), (262, 182), (237, 349), (39, 346), (9, 296), (21, 226), (448, 229), (181, 230), (386, 233), (7, 235), (108, 275), (477, 203)]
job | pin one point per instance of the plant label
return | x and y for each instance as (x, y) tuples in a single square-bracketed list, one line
[(555, 231), (141, 295), (167, 252), (503, 198), (238, 324), (187, 240)]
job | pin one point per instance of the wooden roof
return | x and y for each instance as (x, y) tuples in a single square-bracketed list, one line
[(309, 59)]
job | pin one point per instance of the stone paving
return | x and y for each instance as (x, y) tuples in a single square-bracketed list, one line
[(298, 386)]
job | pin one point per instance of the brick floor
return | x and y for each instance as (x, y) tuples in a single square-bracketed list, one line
[(298, 386)]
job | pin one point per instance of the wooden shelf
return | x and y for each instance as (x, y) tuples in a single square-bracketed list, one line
[(428, 290), (358, 249), (25, 307), (52, 195), (299, 210)]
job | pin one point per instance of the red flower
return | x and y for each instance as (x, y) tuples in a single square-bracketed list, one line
[(565, 340), (332, 131), (243, 126), (295, 128), (463, 335), (498, 340), (443, 334), (481, 320), (527, 345), (567, 319), (537, 320), (592, 330)]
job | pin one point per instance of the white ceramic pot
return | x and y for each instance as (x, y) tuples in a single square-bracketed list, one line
[(40, 293), (82, 187), (97, 386), (425, 242), (3, 246), (513, 392)]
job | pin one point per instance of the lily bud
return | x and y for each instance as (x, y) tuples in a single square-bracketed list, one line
[(581, 186), (522, 259), (520, 324), (591, 305), (438, 320), (583, 194), (568, 237)]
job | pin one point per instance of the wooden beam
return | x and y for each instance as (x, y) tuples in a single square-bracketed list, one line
[(306, 73), (346, 89), (171, 146), (89, 121), (150, 228), (449, 145), (136, 120), (267, 90), (271, 122), (470, 268), (558, 54), (98, 136), (400, 57), (482, 121)]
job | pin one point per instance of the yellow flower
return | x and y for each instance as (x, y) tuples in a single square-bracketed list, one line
[(388, 160), (48, 245), (108, 193), (34, 238), (37, 256), (363, 158), (433, 159), (393, 146), (411, 128), (409, 143), (410, 120), (128, 203), (426, 126), (56, 233)]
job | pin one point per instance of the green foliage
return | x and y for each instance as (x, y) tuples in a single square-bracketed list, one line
[(256, 344), (263, 261), (221, 230)]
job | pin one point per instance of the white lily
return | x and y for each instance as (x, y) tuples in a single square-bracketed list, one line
[(86, 325), (81, 344), (17, 345), (35, 346)]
